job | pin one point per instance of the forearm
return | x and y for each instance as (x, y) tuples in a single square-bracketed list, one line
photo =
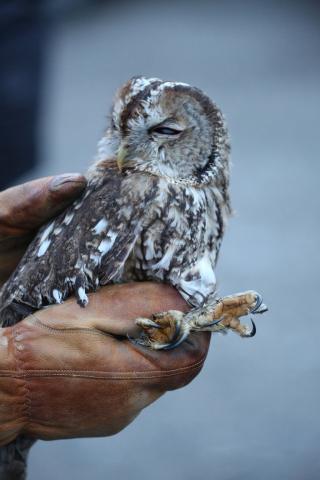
[(13, 458)]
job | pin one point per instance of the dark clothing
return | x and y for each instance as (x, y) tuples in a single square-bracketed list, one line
[(21, 53)]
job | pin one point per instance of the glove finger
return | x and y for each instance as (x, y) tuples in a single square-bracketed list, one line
[(26, 207), (114, 308)]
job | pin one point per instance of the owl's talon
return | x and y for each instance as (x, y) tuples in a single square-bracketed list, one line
[(212, 324), (250, 333), (258, 302), (179, 336), (259, 307), (225, 314), (166, 331), (146, 323)]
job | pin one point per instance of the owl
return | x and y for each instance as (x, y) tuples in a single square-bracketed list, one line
[(155, 208)]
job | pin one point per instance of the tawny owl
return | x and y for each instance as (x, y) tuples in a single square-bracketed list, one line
[(155, 208)]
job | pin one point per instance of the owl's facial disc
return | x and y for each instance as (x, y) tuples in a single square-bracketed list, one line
[(157, 136), (170, 137), (168, 129)]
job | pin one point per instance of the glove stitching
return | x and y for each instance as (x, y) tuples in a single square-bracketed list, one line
[(102, 375)]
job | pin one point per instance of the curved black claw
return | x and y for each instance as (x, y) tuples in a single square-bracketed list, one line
[(259, 306), (176, 340), (213, 323), (150, 323), (252, 332)]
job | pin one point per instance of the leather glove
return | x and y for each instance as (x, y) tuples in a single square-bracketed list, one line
[(71, 372), (68, 372)]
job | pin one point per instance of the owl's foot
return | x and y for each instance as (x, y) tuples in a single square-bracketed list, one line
[(164, 331), (226, 312), (168, 329)]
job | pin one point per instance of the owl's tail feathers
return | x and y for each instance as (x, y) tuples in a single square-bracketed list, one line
[(13, 313), (13, 458)]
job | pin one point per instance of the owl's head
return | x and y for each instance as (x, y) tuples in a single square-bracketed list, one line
[(168, 129)]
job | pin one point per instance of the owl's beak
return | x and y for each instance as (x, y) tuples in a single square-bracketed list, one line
[(122, 153)]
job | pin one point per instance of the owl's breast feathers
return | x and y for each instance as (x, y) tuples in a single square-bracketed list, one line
[(124, 227), (180, 239)]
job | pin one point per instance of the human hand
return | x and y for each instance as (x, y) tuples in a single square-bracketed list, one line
[(82, 375)]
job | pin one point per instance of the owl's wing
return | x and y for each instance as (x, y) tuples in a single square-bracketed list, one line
[(83, 247)]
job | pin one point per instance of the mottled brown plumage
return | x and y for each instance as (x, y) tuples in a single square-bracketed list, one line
[(155, 208)]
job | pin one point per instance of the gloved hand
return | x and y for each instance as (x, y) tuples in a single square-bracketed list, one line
[(70, 372), (23, 209)]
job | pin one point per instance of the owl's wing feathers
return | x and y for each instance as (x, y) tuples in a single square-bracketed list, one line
[(83, 247)]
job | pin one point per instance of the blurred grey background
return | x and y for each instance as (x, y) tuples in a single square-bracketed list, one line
[(253, 412)]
